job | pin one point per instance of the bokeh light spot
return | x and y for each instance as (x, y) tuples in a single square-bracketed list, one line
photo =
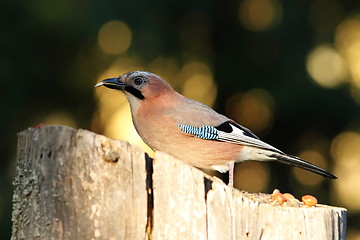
[(260, 15), (253, 109), (114, 37), (345, 148), (120, 126), (306, 177), (347, 39), (346, 152), (198, 83), (325, 66)]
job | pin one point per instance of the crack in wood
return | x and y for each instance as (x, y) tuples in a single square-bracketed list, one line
[(207, 186), (64, 189), (150, 196)]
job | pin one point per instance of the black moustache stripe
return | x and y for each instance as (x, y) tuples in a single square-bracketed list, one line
[(134, 92)]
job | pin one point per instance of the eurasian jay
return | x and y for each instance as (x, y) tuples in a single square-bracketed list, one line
[(191, 131)]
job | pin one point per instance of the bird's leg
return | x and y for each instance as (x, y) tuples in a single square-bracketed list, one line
[(231, 174)]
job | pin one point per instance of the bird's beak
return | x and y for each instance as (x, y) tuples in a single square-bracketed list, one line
[(112, 83)]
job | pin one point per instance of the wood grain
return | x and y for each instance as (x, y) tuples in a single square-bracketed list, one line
[(75, 184), (78, 185)]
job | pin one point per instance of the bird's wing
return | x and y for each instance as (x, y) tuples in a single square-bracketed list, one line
[(227, 132), (234, 133)]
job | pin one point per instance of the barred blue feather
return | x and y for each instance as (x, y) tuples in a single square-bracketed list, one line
[(204, 132)]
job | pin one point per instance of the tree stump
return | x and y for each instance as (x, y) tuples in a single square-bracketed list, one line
[(75, 184)]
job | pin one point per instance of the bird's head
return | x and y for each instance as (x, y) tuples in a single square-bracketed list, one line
[(138, 86)]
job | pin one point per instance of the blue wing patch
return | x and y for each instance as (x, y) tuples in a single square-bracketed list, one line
[(204, 132), (229, 132)]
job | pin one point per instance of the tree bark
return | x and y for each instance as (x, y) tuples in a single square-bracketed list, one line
[(75, 184)]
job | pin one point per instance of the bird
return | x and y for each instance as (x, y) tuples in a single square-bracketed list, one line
[(191, 131)]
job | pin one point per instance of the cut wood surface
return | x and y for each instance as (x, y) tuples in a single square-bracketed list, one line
[(75, 184)]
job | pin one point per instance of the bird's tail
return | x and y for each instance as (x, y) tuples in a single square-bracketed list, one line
[(298, 162)]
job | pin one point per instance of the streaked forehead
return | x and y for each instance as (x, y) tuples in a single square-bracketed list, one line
[(138, 73)]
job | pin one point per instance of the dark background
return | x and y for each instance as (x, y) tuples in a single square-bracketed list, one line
[(257, 52)]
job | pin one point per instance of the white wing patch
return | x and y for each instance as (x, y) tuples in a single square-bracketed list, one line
[(227, 132), (239, 136), (254, 148)]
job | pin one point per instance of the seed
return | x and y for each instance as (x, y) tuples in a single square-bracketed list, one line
[(309, 200), (279, 198)]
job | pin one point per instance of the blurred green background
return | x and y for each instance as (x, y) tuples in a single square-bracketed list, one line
[(288, 70)]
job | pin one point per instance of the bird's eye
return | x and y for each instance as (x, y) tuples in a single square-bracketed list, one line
[(138, 81)]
